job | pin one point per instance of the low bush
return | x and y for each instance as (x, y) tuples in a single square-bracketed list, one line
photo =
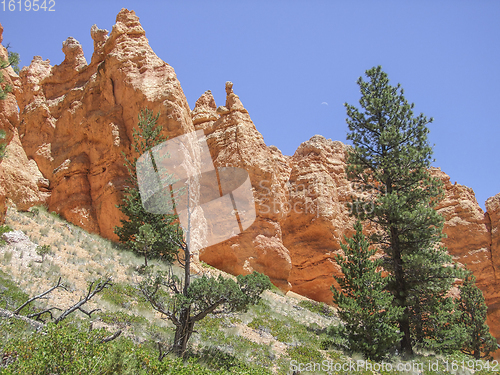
[(318, 308), (43, 250), (4, 229)]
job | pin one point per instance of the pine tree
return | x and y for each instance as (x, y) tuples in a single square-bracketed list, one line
[(2, 145), (149, 234), (478, 341), (389, 162), (186, 302), (365, 306), (182, 300), (13, 61)]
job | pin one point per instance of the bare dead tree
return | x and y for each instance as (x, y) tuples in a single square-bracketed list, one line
[(37, 316), (41, 295), (10, 315), (92, 291), (38, 323), (112, 337)]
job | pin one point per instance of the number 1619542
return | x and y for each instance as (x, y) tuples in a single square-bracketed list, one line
[(28, 5)]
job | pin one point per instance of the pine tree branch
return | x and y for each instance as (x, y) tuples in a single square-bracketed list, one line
[(209, 310), (159, 307)]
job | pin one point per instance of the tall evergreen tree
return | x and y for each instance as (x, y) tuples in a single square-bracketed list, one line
[(365, 306), (478, 341), (390, 161), (147, 233)]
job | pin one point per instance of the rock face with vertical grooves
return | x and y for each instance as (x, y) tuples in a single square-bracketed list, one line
[(77, 118), (234, 141), (20, 180), (492, 288)]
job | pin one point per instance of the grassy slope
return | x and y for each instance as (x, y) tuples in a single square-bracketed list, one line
[(266, 339)]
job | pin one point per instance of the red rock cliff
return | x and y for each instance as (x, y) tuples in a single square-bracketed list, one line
[(20, 180), (77, 118)]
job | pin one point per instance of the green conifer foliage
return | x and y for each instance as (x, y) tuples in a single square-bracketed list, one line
[(389, 162), (5, 89), (146, 233), (365, 306), (13, 61), (478, 341)]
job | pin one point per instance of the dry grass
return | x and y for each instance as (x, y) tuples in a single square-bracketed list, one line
[(76, 256), (79, 258)]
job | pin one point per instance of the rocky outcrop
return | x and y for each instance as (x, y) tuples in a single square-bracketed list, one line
[(492, 293), (316, 218), (471, 236), (77, 118), (467, 229), (20, 180), (493, 210), (234, 141)]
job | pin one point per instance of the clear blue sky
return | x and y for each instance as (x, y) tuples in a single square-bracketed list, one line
[(286, 58)]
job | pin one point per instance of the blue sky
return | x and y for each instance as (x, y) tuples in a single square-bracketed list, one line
[(294, 63)]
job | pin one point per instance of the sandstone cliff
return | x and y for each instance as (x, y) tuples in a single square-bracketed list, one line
[(234, 141), (492, 291), (20, 180), (77, 118), (302, 201)]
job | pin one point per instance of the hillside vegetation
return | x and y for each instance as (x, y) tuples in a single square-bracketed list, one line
[(280, 335)]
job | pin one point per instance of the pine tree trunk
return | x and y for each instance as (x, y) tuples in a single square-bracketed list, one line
[(477, 350), (400, 293), (404, 326), (183, 333)]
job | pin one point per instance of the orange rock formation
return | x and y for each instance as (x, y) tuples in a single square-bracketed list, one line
[(20, 180), (77, 119)]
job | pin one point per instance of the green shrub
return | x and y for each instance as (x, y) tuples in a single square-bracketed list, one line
[(214, 358), (305, 354), (4, 229), (206, 265), (123, 295), (55, 215), (43, 250), (279, 329), (68, 349), (337, 338), (11, 296)]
